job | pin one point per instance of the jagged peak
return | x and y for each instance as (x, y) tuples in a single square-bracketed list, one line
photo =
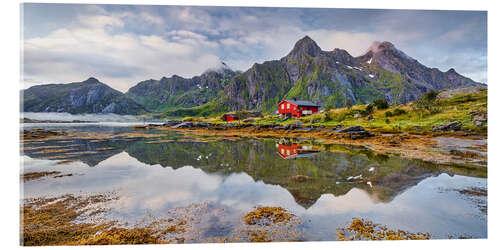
[(452, 70), (220, 68), (306, 45), (339, 49), (386, 48), (306, 39), (91, 80), (341, 52), (386, 44), (377, 46)]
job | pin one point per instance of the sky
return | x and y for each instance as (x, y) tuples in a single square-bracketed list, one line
[(122, 45)]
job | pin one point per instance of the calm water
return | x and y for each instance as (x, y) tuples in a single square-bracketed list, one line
[(152, 178)]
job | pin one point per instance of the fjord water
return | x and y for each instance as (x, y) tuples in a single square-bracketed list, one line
[(155, 175)]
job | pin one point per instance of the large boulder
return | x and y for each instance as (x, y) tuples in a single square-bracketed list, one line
[(352, 129), (450, 126), (356, 132), (359, 134), (479, 121), (297, 124), (479, 117), (183, 125), (171, 123)]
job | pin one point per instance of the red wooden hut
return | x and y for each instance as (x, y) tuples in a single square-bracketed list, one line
[(229, 117), (297, 108)]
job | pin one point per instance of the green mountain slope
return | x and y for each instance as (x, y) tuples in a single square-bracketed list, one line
[(178, 92), (90, 96)]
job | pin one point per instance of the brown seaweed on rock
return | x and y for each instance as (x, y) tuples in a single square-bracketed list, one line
[(361, 229)]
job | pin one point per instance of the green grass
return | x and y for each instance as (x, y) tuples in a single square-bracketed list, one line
[(406, 119), (456, 108), (414, 121)]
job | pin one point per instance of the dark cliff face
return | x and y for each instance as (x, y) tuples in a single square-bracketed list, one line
[(89, 96)]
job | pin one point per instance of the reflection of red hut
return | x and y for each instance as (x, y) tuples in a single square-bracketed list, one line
[(290, 151), (297, 108), (228, 117)]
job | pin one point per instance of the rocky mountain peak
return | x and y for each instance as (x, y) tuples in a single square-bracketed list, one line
[(340, 51), (451, 71), (386, 45), (91, 80), (388, 57), (388, 49), (343, 56), (221, 68), (377, 47), (307, 46)]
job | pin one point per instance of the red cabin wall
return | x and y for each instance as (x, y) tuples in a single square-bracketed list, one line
[(285, 110), (230, 118), (288, 150), (295, 110)]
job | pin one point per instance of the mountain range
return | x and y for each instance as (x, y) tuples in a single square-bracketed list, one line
[(328, 78)]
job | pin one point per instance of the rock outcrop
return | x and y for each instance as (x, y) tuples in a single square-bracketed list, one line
[(451, 126)]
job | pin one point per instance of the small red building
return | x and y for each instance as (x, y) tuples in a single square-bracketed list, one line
[(228, 117), (297, 108)]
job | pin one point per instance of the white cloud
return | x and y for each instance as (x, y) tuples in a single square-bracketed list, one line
[(230, 42), (157, 43), (100, 21), (187, 34), (97, 46)]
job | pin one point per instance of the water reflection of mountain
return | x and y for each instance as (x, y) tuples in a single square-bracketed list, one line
[(88, 151), (382, 177)]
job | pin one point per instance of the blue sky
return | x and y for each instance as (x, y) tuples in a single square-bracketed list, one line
[(124, 44)]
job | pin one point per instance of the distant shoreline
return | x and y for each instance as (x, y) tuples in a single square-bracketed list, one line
[(28, 120)]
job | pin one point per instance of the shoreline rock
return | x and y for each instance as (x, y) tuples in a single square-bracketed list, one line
[(450, 126)]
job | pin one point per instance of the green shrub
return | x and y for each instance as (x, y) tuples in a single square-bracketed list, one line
[(398, 111), (381, 104), (427, 102), (348, 103), (369, 109), (341, 117), (329, 107), (191, 119), (328, 117)]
